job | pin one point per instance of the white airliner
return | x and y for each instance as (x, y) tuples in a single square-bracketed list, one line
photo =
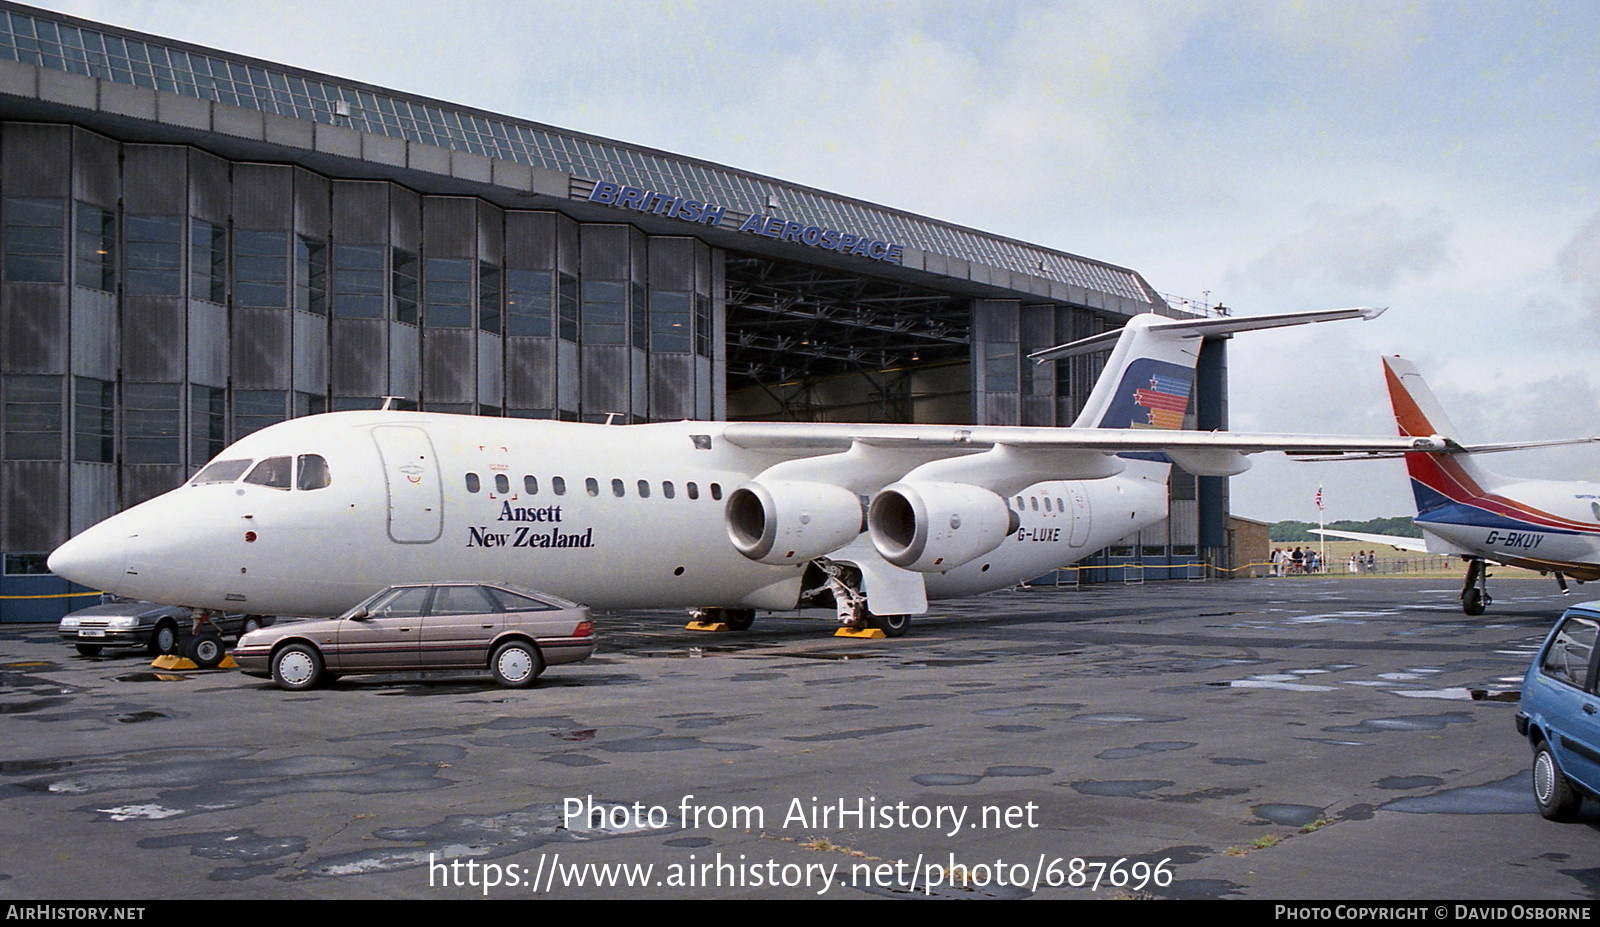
[(312, 515), (1552, 526)]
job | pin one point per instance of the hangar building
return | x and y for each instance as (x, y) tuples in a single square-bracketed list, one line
[(196, 244)]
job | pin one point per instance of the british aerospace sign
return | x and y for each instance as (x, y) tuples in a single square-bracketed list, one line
[(609, 193)]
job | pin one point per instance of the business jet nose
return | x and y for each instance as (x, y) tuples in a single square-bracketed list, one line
[(97, 558)]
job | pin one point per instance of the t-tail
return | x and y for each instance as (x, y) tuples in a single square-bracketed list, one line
[(1148, 379), (1437, 480)]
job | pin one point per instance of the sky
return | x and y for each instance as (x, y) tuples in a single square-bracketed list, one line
[(1441, 159)]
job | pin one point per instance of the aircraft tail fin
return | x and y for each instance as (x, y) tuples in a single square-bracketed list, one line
[(1436, 479), (1150, 374)]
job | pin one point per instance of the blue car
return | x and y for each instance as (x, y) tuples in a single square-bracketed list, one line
[(1560, 715)]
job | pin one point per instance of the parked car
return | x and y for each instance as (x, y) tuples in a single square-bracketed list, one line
[(510, 632), (1560, 714), (158, 629)]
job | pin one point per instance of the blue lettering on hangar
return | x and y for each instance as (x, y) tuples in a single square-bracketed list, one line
[(609, 193)]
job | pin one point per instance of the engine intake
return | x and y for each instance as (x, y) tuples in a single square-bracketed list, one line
[(792, 521), (931, 527)]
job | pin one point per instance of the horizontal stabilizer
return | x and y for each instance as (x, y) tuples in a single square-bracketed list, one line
[(1203, 328)]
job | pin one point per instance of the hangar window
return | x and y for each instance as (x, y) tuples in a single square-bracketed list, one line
[(95, 251), (530, 485), (310, 275), (313, 472), (208, 261), (703, 345), (567, 307), (152, 423), (489, 308), (261, 267), (558, 485), (255, 409), (502, 483), (670, 323), (473, 483), (529, 303), (404, 278), (447, 293), (605, 312), (274, 472), (94, 430), (35, 240), (358, 281)]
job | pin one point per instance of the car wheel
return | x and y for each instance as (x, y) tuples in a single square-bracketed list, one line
[(297, 667), (1558, 800), (90, 650), (206, 650), (1472, 602), (164, 640), (892, 625), (251, 623), (516, 664)]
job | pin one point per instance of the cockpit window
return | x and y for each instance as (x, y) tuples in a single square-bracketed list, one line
[(221, 471), (274, 472), (313, 472)]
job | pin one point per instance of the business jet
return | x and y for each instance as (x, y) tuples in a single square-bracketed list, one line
[(310, 516), (1552, 526)]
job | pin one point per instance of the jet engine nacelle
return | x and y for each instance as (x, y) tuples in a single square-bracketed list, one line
[(791, 521), (931, 527)]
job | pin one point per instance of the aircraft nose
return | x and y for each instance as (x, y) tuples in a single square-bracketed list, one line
[(96, 558)]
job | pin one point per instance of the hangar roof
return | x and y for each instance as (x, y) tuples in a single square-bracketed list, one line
[(145, 87)]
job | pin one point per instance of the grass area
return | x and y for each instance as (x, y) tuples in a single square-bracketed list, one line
[(1391, 563)]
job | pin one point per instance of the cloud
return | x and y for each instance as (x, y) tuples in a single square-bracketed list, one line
[(1579, 262), (1368, 249)]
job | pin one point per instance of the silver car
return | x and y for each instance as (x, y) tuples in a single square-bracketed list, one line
[(513, 633), (157, 629)]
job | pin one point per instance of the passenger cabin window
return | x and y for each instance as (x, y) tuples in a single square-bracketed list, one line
[(693, 489), (473, 483), (558, 485), (221, 471), (716, 490), (644, 489), (275, 472), (530, 485), (592, 486), (1568, 657), (313, 472), (666, 489), (618, 488), (502, 483)]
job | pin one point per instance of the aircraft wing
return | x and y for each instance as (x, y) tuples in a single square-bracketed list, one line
[(1398, 542)]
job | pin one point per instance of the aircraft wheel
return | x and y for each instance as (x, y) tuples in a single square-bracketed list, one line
[(739, 619), (251, 623), (206, 650), (1474, 602), (892, 625), (516, 664), (297, 667), (90, 650), (1558, 800), (164, 640)]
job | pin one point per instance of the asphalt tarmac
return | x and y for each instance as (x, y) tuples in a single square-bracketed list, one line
[(1305, 738)]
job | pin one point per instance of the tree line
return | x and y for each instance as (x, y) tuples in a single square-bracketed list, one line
[(1291, 530)]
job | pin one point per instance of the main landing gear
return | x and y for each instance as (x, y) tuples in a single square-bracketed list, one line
[(842, 583), (1475, 591)]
